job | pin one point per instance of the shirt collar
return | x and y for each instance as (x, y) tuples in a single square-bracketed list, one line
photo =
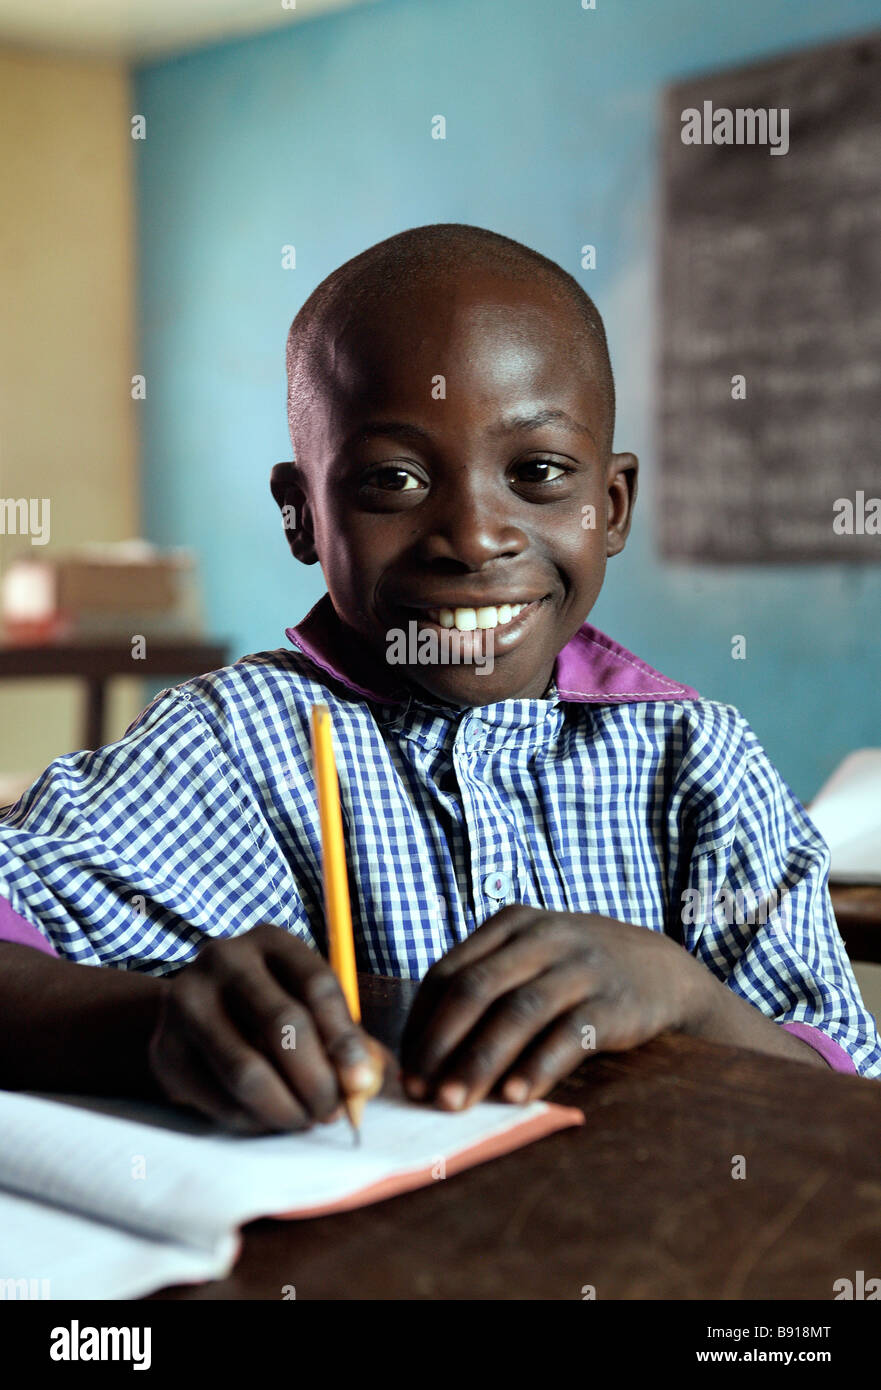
[(591, 668)]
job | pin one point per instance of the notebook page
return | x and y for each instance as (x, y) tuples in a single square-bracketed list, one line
[(847, 813), (196, 1187), (60, 1254)]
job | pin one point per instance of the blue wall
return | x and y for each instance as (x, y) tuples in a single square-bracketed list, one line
[(318, 135)]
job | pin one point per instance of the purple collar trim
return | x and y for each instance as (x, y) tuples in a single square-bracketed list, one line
[(591, 668)]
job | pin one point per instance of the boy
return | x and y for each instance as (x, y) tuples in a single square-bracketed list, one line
[(546, 837)]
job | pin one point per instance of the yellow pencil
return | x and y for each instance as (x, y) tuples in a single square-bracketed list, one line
[(337, 909)]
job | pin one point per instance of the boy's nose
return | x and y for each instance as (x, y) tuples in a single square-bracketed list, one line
[(471, 535)]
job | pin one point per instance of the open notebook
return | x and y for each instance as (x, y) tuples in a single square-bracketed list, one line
[(847, 813), (115, 1199)]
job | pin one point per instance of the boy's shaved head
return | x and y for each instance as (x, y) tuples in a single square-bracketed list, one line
[(440, 253), (451, 410)]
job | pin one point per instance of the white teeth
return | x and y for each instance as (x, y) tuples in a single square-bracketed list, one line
[(469, 619)]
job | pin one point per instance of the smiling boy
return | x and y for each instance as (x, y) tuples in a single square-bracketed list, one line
[(525, 836)]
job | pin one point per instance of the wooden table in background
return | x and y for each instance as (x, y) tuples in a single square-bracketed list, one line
[(97, 661), (640, 1203)]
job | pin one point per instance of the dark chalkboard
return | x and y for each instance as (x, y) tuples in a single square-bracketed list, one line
[(771, 270)]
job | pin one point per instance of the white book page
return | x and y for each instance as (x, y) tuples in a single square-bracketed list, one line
[(847, 813), (51, 1253), (195, 1187)]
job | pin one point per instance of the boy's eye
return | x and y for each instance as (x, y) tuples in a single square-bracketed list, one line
[(392, 478), (540, 471)]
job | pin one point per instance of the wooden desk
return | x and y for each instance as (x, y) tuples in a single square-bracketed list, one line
[(96, 662), (640, 1203), (858, 914)]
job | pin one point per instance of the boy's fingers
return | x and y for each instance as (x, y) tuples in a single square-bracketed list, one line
[(569, 1041), (282, 991), (391, 1076), (505, 1032), (358, 1066), (310, 978), (187, 1080), (285, 1031), (488, 937), (249, 1080), (466, 996), (364, 1078), (381, 1058)]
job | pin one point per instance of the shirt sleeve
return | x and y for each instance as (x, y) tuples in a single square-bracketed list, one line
[(134, 854), (831, 1051), (18, 932), (756, 908)]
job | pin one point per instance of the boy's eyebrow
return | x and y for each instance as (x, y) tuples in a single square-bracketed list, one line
[(397, 429), (550, 416)]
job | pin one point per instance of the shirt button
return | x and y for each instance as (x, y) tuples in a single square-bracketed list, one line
[(496, 886)]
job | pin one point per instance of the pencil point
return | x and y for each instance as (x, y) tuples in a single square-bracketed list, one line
[(355, 1112)]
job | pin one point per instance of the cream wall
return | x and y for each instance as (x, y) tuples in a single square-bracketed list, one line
[(67, 422)]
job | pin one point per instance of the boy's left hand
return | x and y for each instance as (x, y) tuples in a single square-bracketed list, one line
[(533, 994)]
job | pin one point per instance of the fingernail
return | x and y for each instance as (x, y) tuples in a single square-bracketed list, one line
[(360, 1076), (452, 1095), (415, 1087), (516, 1090)]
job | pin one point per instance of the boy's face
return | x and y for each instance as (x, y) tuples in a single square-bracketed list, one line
[(438, 471)]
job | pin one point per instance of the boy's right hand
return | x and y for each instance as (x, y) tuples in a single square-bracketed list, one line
[(256, 1034)]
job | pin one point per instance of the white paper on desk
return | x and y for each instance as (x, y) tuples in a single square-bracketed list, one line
[(157, 1176), (49, 1252), (847, 813)]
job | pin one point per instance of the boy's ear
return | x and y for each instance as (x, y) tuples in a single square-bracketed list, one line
[(621, 475), (286, 485)]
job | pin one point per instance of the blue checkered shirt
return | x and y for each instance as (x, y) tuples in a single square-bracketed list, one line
[(202, 822)]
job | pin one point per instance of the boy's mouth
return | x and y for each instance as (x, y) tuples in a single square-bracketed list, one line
[(508, 622), (471, 619)]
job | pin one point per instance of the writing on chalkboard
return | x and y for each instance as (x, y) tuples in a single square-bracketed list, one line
[(770, 289)]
